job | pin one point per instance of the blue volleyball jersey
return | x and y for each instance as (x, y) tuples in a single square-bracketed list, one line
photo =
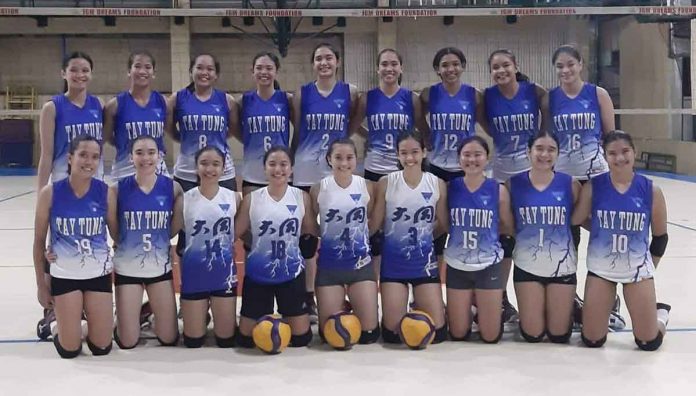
[(275, 229), (386, 118), (409, 220), (511, 123), (619, 247), (265, 123), (578, 124), (208, 261), (201, 124), (322, 120), (343, 221), (78, 231), (542, 226), (133, 120), (144, 223), (72, 121), (452, 119), (473, 233)]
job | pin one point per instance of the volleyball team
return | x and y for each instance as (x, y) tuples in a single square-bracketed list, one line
[(424, 206)]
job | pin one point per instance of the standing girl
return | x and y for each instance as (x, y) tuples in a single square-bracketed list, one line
[(208, 272), (451, 106), (513, 114), (322, 110), (136, 112), (74, 211), (480, 227), (581, 114), (545, 256), (626, 207), (265, 119), (410, 206), (283, 230), (147, 215), (64, 118), (199, 116), (390, 109), (344, 204)]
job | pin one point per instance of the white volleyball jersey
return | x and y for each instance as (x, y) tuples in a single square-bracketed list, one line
[(343, 221)]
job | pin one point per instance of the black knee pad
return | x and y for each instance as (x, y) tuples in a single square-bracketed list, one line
[(120, 344), (560, 339), (193, 342), (97, 351), (302, 340), (593, 344), (651, 346), (464, 338), (440, 335), (369, 336), (390, 337), (65, 354), (530, 338), (169, 344), (225, 342), (244, 341), (495, 340)]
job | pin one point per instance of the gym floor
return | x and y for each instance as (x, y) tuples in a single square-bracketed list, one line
[(29, 367)]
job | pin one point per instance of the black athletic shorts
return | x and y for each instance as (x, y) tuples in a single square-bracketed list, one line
[(413, 281), (186, 185), (135, 280), (252, 184), (489, 278), (258, 298), (60, 286), (520, 275), (372, 176), (207, 294), (443, 174), (340, 277)]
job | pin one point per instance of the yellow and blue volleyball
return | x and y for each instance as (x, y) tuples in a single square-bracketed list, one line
[(342, 330), (271, 334), (417, 329)]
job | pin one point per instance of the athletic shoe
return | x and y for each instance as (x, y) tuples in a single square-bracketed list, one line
[(510, 316), (577, 313), (43, 327), (146, 315), (616, 321)]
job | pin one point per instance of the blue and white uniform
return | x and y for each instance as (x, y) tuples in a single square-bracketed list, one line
[(542, 224), (409, 220), (275, 228), (208, 260), (78, 232), (511, 123), (578, 124), (452, 119), (144, 222), (72, 121), (343, 221), (265, 123), (201, 124), (133, 120), (474, 216), (322, 120), (619, 247), (386, 118)]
